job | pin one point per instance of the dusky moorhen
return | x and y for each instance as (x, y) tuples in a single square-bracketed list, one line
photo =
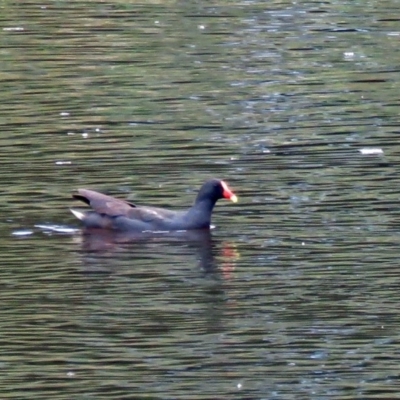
[(119, 215)]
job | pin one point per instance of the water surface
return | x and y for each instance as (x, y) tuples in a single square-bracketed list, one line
[(294, 293)]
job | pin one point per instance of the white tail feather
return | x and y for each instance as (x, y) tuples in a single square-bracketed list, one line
[(78, 214)]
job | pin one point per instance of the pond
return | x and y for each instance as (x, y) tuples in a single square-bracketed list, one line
[(294, 293)]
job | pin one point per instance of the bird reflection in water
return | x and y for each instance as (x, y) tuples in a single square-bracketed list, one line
[(212, 258)]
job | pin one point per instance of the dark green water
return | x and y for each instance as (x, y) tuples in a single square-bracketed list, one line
[(295, 293)]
